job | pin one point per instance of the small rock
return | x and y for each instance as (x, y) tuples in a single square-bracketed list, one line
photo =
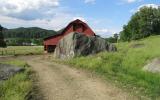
[(138, 45), (153, 66)]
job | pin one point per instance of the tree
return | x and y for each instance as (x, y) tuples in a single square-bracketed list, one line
[(113, 39), (116, 36), (125, 35), (142, 24), (2, 42)]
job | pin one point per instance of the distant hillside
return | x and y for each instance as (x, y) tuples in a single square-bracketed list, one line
[(32, 32), (26, 36)]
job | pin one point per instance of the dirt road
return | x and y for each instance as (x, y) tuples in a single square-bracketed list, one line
[(60, 82)]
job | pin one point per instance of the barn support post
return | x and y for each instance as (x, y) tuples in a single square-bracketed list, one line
[(47, 48), (44, 47), (2, 52), (14, 52), (6, 52)]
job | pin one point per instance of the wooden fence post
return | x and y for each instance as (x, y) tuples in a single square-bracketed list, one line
[(14, 52), (2, 53), (5, 52)]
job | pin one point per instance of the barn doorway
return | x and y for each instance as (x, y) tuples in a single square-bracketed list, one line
[(51, 48)]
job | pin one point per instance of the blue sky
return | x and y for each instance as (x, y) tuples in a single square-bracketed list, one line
[(105, 17)]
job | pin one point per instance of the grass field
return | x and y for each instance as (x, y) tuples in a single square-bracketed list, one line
[(17, 87), (125, 66), (21, 50)]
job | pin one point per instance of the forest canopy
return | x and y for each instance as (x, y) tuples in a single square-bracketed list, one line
[(26, 36), (143, 23)]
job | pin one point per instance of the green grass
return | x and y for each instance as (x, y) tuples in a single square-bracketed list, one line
[(17, 87), (21, 50), (125, 66)]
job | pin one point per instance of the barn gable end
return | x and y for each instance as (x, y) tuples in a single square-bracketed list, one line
[(75, 26)]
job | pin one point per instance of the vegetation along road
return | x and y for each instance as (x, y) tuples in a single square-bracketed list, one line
[(60, 82)]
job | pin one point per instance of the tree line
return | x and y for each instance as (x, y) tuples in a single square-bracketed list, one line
[(143, 23), (26, 36)]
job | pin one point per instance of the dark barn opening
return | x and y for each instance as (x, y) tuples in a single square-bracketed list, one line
[(51, 48)]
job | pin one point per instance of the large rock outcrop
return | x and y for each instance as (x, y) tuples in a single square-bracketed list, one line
[(77, 44)]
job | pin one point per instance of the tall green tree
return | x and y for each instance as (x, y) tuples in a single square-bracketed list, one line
[(2, 42), (142, 24), (116, 36)]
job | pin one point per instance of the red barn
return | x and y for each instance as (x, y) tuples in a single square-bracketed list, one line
[(75, 26)]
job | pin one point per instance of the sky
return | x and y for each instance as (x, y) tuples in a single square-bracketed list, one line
[(105, 17)]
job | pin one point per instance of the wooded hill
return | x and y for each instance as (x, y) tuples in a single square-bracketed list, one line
[(24, 36), (143, 23)]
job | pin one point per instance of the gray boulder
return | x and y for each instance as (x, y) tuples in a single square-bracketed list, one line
[(111, 48), (7, 71), (153, 66), (77, 44)]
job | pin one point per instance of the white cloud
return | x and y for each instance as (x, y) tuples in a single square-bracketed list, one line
[(44, 14), (105, 32), (128, 1), (35, 13), (80, 18), (144, 5), (90, 1), (149, 5), (57, 22), (18, 6), (131, 1)]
